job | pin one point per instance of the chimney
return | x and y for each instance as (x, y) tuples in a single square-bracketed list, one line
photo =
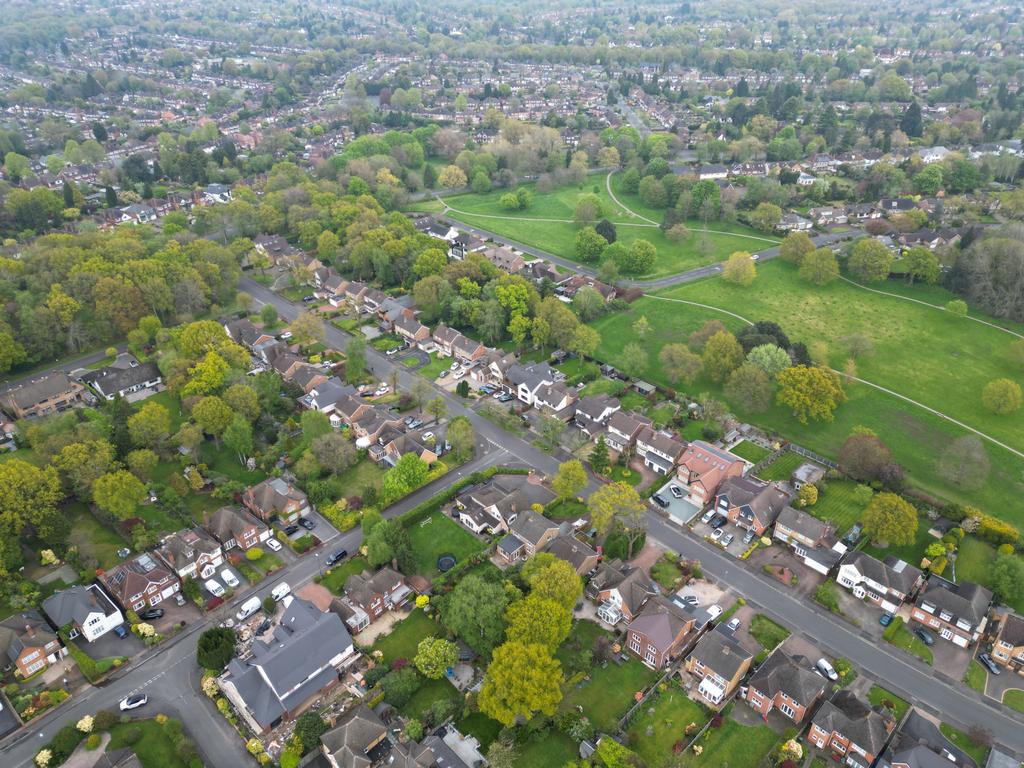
[(29, 630)]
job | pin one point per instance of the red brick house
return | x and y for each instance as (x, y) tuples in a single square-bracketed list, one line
[(660, 632), (28, 644), (703, 467), (781, 684), (236, 527), (750, 503), (367, 598), (144, 581), (851, 730), (274, 496)]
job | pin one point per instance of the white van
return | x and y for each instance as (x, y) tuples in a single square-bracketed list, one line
[(248, 608), (281, 591)]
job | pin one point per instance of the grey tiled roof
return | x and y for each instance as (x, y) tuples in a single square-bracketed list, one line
[(779, 673)]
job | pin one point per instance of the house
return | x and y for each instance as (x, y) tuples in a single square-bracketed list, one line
[(620, 590), (87, 609), (582, 557), (810, 539), (623, 428), (250, 336), (467, 350), (703, 467), (373, 299), (782, 684), (51, 393), (191, 553), (886, 583), (392, 444), (287, 364), (720, 662), (326, 396), (141, 582), (125, 376), (276, 248), (369, 427), (593, 411), (280, 677), (309, 377), (236, 527), (445, 337), (216, 193), (349, 409), (807, 474), (958, 612), (572, 285), (933, 155), (557, 399), (354, 292), (750, 503), (137, 213), (534, 530), (920, 744), (496, 504), (826, 216), (527, 380), (659, 450), (712, 172), (493, 367), (368, 597), (465, 244), (660, 632), (413, 331), (428, 225), (504, 258), (358, 740), (28, 644), (805, 179), (851, 730), (391, 310), (1008, 642), (890, 205), (275, 497), (792, 222)]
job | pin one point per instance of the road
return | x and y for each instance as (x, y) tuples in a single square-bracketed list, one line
[(63, 365)]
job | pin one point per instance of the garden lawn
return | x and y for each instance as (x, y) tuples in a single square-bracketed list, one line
[(878, 694), (171, 402), (549, 750), (431, 691), (974, 559), (480, 726), (902, 637), (837, 504), (405, 636), (154, 747), (570, 509), (672, 712), (609, 692), (334, 579), (438, 535), (767, 632), (434, 367), (547, 224), (356, 479), (1014, 699), (910, 553), (783, 467), (582, 637), (619, 474), (752, 452), (978, 752), (922, 353), (92, 538), (733, 746), (976, 676)]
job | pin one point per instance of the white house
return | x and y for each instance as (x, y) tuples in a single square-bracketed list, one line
[(87, 609), (887, 584)]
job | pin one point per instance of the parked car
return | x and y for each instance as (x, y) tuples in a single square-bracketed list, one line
[(381, 390), (393, 351), (248, 608), (229, 578), (308, 299), (706, 517), (985, 659), (459, 373), (714, 611), (727, 540), (121, 631), (415, 424), (660, 500), (924, 636), (749, 536), (306, 523), (274, 544), (885, 619), (733, 624), (281, 591), (179, 598), (717, 534), (151, 614), (718, 520), (428, 436), (336, 557), (134, 701), (505, 397), (285, 335), (676, 491), (291, 529), (827, 669), (442, 374), (214, 588), (455, 365)]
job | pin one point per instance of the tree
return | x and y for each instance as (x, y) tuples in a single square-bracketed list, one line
[(502, 754), (451, 177), (606, 230), (870, 261), (81, 464), (766, 217), (309, 727), (243, 399), (769, 358), (965, 462), (585, 341), (795, 247), (553, 579), (599, 457), (618, 502), (570, 479), (389, 541), (435, 656), (922, 265), (740, 269), (355, 360), (118, 493), (213, 415), (408, 474), (268, 314), (238, 437), (216, 647), (521, 680), (549, 430), (11, 352), (863, 456), (588, 210), (722, 355), (750, 388), (589, 245), (475, 612), (641, 257), (1002, 396), (307, 328), (537, 620), (151, 426), (462, 437), (437, 408), (911, 122), (1007, 578), (207, 376), (634, 359), (928, 180), (890, 519), (588, 303), (957, 307), (141, 463), (819, 267), (679, 363), (27, 494), (333, 452), (810, 392)]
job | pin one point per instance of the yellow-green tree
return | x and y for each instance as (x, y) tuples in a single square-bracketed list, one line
[(537, 620), (570, 479), (618, 503), (118, 493), (722, 355), (890, 519), (521, 681), (740, 269), (551, 578), (811, 392)]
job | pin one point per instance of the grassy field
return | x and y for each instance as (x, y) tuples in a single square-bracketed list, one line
[(978, 752), (548, 225), (976, 676), (549, 750), (439, 535), (925, 354), (363, 475), (608, 693), (838, 505), (911, 553), (878, 694), (402, 641), (667, 718), (974, 559), (752, 452), (431, 691), (92, 538), (733, 746)]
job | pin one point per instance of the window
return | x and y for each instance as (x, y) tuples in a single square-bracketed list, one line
[(33, 668), (139, 605), (93, 622), (651, 655), (634, 643), (788, 711), (30, 657)]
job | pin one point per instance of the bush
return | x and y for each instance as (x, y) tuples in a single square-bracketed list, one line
[(827, 596), (269, 605), (104, 720), (290, 758), (92, 742), (216, 647), (1005, 549), (253, 554)]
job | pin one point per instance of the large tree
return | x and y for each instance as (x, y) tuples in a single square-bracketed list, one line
[(722, 355), (679, 363), (863, 456), (28, 494), (82, 463), (538, 620), (890, 519), (570, 479), (435, 656), (740, 269), (118, 493), (151, 426), (462, 436), (769, 358), (819, 267), (1007, 578), (795, 247), (216, 648), (618, 503), (1002, 396), (870, 261), (475, 612), (213, 415), (810, 392), (521, 681), (965, 462), (749, 388), (553, 579), (355, 360)]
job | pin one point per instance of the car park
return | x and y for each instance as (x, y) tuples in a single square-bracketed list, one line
[(676, 491), (717, 534), (827, 669), (660, 500), (274, 545), (151, 614), (229, 578), (134, 701), (213, 587), (306, 523), (990, 665), (281, 591), (924, 636), (885, 619)]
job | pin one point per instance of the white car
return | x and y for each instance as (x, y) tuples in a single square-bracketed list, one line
[(285, 336), (714, 611), (717, 534), (134, 701), (459, 373), (383, 389), (428, 437), (827, 669), (281, 591), (274, 544), (454, 366), (229, 578), (213, 587)]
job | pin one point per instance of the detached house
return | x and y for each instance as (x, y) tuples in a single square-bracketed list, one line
[(28, 644), (659, 450), (505, 259), (582, 557), (495, 505), (749, 503), (144, 581), (528, 380), (493, 368), (957, 612), (810, 539), (247, 334), (367, 598), (620, 590), (191, 553), (886, 583), (780, 683), (532, 532), (703, 467), (660, 632), (236, 527), (51, 393), (87, 609), (720, 662), (275, 497), (593, 411), (851, 730), (125, 376), (413, 331), (623, 429), (1008, 643)]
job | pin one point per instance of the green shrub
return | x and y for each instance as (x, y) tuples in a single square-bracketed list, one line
[(104, 720), (253, 554), (92, 742), (290, 758)]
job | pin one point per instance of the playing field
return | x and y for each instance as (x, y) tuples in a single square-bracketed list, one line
[(547, 224), (922, 353)]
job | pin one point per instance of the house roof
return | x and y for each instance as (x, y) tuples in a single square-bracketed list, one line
[(804, 523), (530, 527), (628, 422), (662, 621), (32, 392), (592, 406), (27, 629), (183, 548), (754, 498), (229, 522), (510, 544), (965, 600), (660, 441), (275, 495), (74, 604), (363, 587), (780, 674), (920, 744), (352, 737), (721, 652), (132, 577), (892, 573), (844, 713), (571, 549), (1012, 630), (244, 332)]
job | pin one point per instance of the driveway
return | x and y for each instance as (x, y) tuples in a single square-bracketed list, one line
[(779, 556), (175, 615), (861, 613), (1005, 681), (682, 511), (414, 353), (8, 721), (735, 548), (105, 646)]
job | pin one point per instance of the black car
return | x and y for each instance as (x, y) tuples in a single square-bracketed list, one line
[(151, 613), (660, 500), (291, 529), (985, 659), (924, 637), (263, 627), (718, 521), (306, 523), (337, 557), (308, 299)]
